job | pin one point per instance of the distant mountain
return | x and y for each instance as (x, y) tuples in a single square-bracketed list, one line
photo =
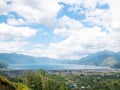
[(3, 65), (24, 59), (103, 58), (117, 66)]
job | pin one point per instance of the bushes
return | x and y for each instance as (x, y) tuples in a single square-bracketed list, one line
[(6, 84), (22, 87)]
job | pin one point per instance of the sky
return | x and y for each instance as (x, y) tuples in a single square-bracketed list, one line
[(59, 29)]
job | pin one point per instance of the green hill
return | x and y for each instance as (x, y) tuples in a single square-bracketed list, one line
[(5, 84)]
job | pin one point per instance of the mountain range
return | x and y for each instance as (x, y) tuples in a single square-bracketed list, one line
[(102, 58), (13, 58)]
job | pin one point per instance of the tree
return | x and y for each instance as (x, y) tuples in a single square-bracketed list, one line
[(63, 87), (34, 81)]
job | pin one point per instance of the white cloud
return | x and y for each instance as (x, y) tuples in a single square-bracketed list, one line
[(17, 33), (83, 41), (11, 47), (71, 2), (16, 22), (80, 40), (33, 11), (13, 39), (115, 15), (4, 8), (67, 22), (60, 31), (37, 11)]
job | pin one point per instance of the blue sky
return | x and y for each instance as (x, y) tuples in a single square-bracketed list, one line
[(60, 29)]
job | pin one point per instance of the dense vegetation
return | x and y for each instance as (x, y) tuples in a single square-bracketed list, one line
[(5, 84), (97, 82), (40, 80)]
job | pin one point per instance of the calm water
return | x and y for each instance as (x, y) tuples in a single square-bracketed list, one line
[(54, 66)]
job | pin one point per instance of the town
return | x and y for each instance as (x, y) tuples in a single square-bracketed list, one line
[(16, 73)]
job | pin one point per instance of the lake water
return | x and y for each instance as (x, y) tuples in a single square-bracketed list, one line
[(53, 66)]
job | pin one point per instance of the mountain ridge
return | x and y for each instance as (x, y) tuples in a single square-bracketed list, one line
[(13, 58), (102, 58)]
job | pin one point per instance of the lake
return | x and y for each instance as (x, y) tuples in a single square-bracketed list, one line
[(53, 66)]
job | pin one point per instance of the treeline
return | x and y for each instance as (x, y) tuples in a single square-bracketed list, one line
[(107, 81)]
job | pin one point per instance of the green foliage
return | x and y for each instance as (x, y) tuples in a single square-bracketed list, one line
[(21, 87), (40, 80), (48, 84), (33, 80), (110, 81), (5, 84), (64, 87)]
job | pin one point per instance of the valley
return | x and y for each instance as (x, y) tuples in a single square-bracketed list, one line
[(102, 79)]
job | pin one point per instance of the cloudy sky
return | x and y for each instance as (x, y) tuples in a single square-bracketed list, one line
[(61, 29)]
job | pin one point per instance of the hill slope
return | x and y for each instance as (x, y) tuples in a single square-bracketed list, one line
[(23, 59), (5, 84), (103, 58)]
